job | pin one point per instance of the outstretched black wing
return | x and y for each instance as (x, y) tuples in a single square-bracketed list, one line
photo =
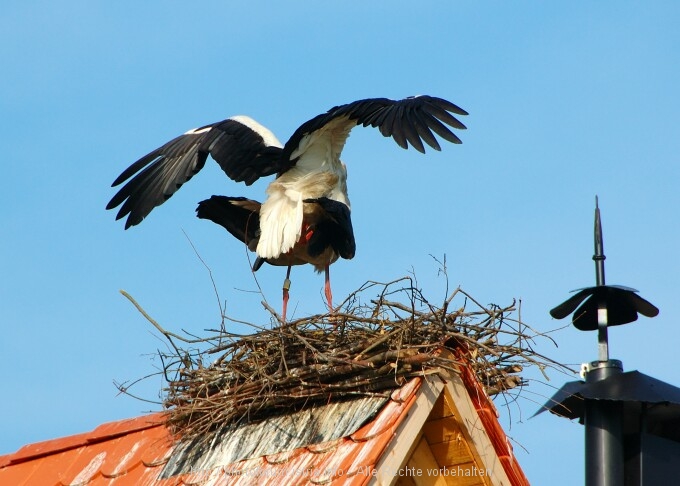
[(410, 121), (244, 149)]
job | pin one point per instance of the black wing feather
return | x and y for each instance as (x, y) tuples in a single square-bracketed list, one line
[(398, 126), (444, 116), (439, 128), (425, 133), (154, 185), (410, 132), (373, 113), (388, 122), (240, 151), (410, 121)]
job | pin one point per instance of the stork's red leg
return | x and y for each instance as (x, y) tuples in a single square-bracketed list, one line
[(286, 288), (327, 288)]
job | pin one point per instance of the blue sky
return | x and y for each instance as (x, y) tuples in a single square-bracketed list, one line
[(566, 101)]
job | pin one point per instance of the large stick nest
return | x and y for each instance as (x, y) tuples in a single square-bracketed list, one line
[(367, 348)]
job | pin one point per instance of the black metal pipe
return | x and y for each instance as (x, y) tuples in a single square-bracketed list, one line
[(603, 420)]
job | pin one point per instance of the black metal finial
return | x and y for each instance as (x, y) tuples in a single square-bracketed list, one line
[(622, 304), (599, 247)]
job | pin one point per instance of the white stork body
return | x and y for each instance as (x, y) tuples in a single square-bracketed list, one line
[(317, 173), (306, 215)]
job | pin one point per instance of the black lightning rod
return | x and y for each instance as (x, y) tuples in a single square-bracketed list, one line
[(599, 247), (602, 318)]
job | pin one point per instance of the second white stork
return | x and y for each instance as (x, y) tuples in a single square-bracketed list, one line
[(306, 215)]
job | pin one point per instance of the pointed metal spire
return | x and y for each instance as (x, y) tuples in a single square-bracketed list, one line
[(602, 317), (599, 247)]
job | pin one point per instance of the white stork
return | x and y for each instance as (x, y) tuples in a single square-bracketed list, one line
[(306, 215)]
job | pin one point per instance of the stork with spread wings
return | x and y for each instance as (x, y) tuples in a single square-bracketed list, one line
[(305, 217)]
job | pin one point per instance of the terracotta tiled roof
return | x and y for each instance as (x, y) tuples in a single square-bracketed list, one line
[(134, 452), (140, 451), (134, 448)]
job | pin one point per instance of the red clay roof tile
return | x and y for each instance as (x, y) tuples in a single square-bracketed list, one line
[(134, 451)]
